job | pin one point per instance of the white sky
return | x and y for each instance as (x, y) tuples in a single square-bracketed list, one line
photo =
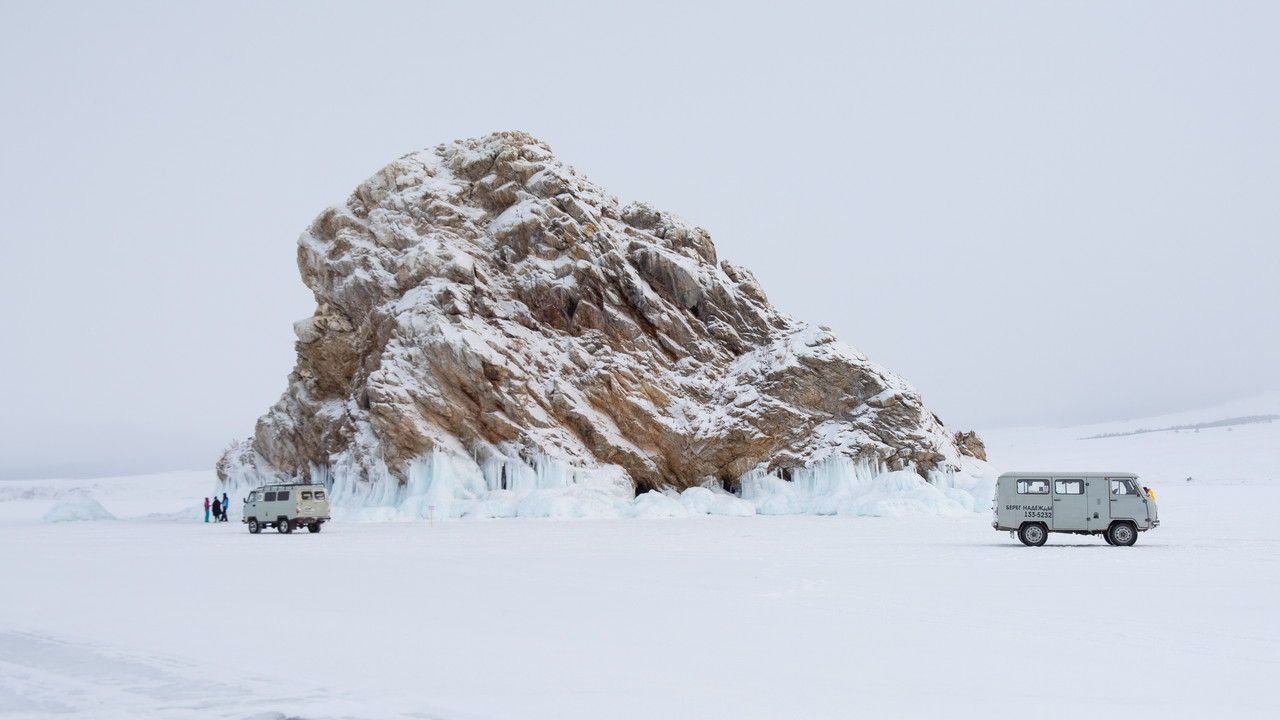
[(1036, 212)]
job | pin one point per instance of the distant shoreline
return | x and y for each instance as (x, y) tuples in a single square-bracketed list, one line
[(1246, 420)]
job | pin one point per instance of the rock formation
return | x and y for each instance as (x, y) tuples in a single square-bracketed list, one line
[(484, 300)]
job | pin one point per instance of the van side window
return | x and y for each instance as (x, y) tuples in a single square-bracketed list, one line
[(1068, 487), (270, 497), (306, 495), (319, 494), (1123, 486), (1033, 487)]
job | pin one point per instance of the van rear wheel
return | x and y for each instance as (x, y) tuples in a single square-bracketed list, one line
[(1033, 534), (284, 526), (1122, 533), (314, 527)]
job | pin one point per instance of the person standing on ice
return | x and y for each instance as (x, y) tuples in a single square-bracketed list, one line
[(226, 505), (217, 509), (206, 509)]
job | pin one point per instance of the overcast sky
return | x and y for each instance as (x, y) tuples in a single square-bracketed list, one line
[(1038, 213)]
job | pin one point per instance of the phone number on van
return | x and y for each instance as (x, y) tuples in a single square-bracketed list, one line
[(1032, 511)]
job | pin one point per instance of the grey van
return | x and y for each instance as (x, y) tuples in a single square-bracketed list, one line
[(1110, 504), (286, 507)]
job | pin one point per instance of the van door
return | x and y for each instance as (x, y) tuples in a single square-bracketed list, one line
[(284, 497), (322, 504), (1069, 505), (267, 510), (251, 504), (1127, 500), (1098, 494)]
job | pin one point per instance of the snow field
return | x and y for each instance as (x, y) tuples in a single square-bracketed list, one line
[(762, 617)]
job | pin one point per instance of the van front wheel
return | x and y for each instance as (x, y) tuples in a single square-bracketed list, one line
[(1122, 533), (253, 526), (1033, 534)]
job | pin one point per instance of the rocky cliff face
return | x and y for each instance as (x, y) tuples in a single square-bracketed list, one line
[(484, 300)]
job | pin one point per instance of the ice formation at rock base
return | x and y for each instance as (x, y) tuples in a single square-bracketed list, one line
[(443, 486)]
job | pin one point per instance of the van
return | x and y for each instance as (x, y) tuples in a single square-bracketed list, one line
[(286, 507), (1034, 504)]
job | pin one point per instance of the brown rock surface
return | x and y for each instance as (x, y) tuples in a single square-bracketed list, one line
[(970, 444), (483, 299)]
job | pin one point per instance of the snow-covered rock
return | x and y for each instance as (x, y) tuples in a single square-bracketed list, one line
[(77, 507), (484, 310)]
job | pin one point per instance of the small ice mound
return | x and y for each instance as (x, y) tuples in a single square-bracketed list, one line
[(77, 507), (730, 505), (654, 504), (700, 500), (697, 500)]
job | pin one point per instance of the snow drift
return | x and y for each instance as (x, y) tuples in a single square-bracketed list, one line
[(77, 507)]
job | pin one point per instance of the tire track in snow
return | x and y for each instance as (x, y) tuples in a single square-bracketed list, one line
[(43, 676)]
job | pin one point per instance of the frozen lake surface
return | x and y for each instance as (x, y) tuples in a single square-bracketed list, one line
[(762, 617)]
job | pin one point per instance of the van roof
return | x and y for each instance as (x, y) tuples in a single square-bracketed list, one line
[(289, 485), (1067, 474)]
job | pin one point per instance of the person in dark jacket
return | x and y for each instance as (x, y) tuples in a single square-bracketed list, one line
[(217, 509)]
